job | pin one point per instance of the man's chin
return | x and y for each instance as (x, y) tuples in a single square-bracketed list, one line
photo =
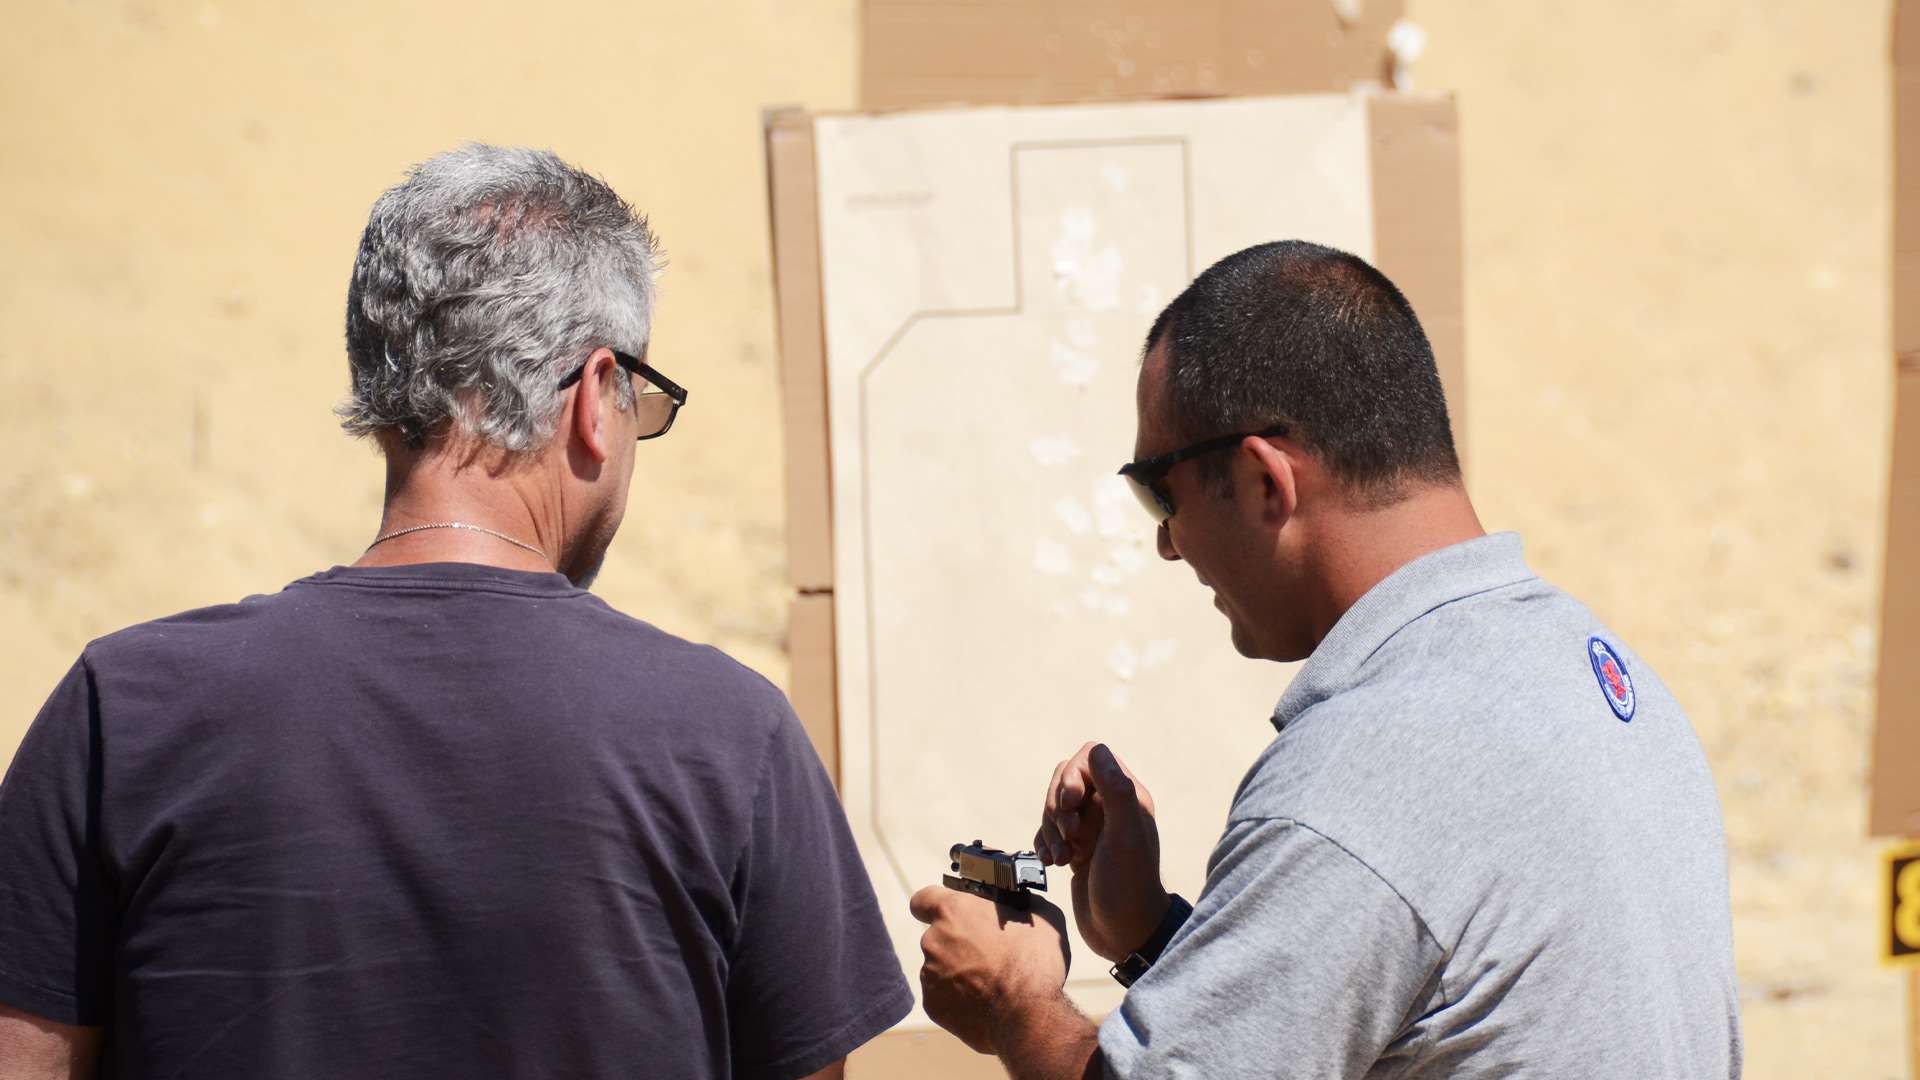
[(1243, 642), (1246, 645)]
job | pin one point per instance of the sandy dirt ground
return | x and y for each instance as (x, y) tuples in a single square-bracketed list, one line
[(1679, 375)]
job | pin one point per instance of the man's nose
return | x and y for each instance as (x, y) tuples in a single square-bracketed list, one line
[(1163, 539)]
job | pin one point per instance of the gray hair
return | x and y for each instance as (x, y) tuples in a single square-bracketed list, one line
[(483, 279)]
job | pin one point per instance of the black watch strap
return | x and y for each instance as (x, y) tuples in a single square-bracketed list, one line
[(1127, 971)]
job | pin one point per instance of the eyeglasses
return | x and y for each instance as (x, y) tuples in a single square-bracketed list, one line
[(656, 407), (1148, 476)]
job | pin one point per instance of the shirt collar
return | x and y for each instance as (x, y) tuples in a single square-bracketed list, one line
[(447, 575), (1428, 582)]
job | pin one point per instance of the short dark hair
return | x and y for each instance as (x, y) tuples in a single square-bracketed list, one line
[(1296, 333)]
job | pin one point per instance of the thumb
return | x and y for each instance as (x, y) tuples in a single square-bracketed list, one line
[(1115, 786), (926, 903)]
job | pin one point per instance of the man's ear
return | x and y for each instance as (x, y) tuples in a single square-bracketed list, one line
[(1272, 482), (592, 399)]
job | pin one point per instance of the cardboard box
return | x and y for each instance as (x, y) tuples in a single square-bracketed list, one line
[(932, 52), (1895, 766)]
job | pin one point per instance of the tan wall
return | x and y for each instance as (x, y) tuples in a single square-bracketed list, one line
[(1677, 236), (181, 192)]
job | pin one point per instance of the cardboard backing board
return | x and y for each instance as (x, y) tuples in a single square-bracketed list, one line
[(986, 276), (1417, 228), (918, 53), (1417, 234), (1895, 768), (812, 692), (796, 261)]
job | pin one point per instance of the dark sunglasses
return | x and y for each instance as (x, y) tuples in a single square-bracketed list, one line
[(655, 408), (1148, 476)]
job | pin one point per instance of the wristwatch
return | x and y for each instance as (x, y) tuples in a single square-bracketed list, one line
[(1127, 971)]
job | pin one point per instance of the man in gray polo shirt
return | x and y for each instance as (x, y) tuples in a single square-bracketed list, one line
[(1485, 840)]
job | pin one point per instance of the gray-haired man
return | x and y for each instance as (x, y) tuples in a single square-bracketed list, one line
[(443, 812)]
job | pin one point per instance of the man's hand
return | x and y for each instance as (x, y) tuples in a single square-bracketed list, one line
[(35, 1048), (1098, 819), (987, 964)]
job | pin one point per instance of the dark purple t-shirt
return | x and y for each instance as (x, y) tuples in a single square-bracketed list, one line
[(438, 820)]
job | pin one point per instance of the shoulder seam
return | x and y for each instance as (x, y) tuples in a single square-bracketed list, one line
[(1446, 955)]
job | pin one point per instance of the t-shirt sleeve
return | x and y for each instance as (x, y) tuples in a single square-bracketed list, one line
[(812, 975), (55, 909), (1298, 960)]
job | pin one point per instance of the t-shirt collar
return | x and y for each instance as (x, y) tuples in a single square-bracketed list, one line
[(1428, 582), (457, 576)]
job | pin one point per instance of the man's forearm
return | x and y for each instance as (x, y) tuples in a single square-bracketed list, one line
[(35, 1048), (1049, 1040)]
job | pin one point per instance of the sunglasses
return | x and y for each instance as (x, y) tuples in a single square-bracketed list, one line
[(655, 406), (1148, 477)]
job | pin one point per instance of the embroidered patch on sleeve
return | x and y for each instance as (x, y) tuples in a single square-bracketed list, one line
[(1615, 683)]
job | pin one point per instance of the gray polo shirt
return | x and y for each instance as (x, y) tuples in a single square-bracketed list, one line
[(1485, 843)]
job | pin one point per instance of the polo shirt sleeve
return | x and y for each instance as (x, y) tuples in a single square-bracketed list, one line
[(1298, 960), (55, 906), (812, 974)]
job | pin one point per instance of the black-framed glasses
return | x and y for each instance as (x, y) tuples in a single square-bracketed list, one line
[(655, 408), (1148, 476)]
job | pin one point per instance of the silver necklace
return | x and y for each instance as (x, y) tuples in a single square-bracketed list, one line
[(456, 525)]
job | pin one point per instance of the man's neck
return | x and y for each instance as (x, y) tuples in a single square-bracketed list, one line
[(499, 503), (1363, 548)]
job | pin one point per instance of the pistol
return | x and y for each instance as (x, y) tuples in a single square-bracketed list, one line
[(997, 875)]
